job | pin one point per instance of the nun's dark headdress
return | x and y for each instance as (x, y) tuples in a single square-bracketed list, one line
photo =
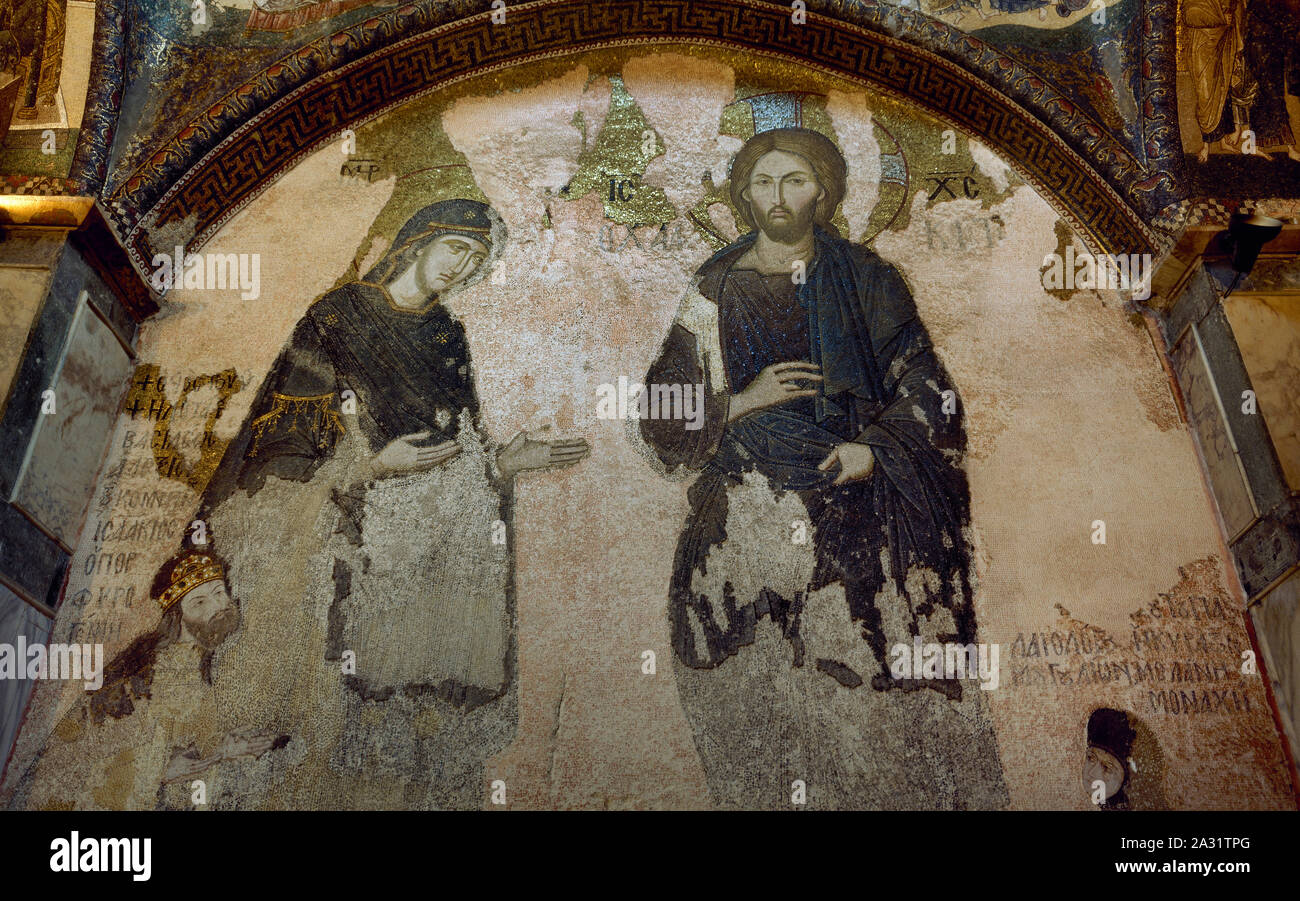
[(469, 218), (1109, 730)]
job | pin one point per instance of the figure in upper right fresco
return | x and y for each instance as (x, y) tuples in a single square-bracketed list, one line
[(1244, 63)]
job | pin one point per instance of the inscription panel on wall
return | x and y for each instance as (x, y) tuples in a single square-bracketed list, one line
[(76, 419)]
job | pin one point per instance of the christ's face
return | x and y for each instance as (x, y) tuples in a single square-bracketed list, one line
[(448, 261), (1102, 766), (783, 192), (209, 614)]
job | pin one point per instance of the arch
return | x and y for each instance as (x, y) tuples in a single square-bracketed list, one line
[(216, 164)]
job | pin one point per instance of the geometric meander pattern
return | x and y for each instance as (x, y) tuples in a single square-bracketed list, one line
[(215, 165)]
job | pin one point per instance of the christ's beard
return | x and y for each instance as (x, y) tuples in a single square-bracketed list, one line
[(216, 630), (786, 230)]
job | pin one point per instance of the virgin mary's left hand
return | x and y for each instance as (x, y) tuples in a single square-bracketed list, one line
[(525, 453)]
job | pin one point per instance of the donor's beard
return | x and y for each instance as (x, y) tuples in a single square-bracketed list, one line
[(216, 630)]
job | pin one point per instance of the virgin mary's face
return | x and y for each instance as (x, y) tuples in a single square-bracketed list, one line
[(448, 261)]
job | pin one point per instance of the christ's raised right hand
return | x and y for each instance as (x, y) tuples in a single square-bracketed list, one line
[(401, 456), (775, 385)]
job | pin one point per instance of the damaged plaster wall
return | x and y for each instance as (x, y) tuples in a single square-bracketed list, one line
[(1069, 419)]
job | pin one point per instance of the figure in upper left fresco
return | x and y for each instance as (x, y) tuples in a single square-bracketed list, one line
[(31, 46)]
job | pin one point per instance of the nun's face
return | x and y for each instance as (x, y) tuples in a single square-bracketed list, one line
[(1104, 767), (448, 261)]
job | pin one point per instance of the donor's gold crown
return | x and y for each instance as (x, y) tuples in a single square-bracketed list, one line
[(193, 570)]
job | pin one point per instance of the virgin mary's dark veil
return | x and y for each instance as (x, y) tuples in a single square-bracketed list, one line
[(448, 217)]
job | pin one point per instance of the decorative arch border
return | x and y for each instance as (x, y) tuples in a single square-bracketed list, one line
[(217, 164)]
